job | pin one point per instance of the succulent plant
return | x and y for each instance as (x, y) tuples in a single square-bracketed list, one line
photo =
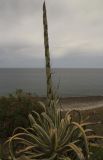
[(53, 137)]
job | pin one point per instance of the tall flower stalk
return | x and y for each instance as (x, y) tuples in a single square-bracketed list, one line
[(47, 55)]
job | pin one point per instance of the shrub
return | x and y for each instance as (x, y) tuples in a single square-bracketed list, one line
[(53, 137), (14, 111), (97, 153)]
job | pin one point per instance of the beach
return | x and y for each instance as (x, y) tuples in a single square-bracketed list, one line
[(91, 107), (81, 103)]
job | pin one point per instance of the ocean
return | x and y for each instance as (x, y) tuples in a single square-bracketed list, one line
[(67, 82)]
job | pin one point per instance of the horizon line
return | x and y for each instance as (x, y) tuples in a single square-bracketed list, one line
[(52, 67)]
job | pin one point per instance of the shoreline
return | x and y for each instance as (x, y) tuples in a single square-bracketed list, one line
[(82, 103), (78, 103), (75, 102)]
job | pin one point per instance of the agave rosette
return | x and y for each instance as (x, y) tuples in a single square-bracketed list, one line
[(53, 136)]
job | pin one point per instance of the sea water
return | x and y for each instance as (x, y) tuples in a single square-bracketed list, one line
[(67, 82)]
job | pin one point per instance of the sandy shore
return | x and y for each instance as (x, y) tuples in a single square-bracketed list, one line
[(79, 103), (82, 103)]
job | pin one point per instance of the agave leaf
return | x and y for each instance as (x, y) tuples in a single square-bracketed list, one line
[(31, 119), (37, 117), (37, 156), (77, 150), (54, 139), (66, 138), (19, 130), (84, 136), (34, 138), (42, 105), (58, 118), (68, 118), (90, 132), (25, 150), (95, 137), (95, 145), (24, 141), (62, 128), (88, 123), (48, 119), (42, 133)]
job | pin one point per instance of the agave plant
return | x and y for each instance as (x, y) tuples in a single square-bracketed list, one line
[(53, 137)]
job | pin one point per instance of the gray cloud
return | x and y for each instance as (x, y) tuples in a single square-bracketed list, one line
[(80, 59), (75, 33)]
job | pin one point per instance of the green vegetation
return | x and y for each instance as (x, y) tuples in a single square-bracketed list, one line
[(52, 136), (95, 115), (97, 154), (14, 111)]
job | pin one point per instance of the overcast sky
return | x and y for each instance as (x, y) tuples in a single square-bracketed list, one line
[(75, 33)]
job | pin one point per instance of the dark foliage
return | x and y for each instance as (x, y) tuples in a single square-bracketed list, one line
[(14, 111)]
